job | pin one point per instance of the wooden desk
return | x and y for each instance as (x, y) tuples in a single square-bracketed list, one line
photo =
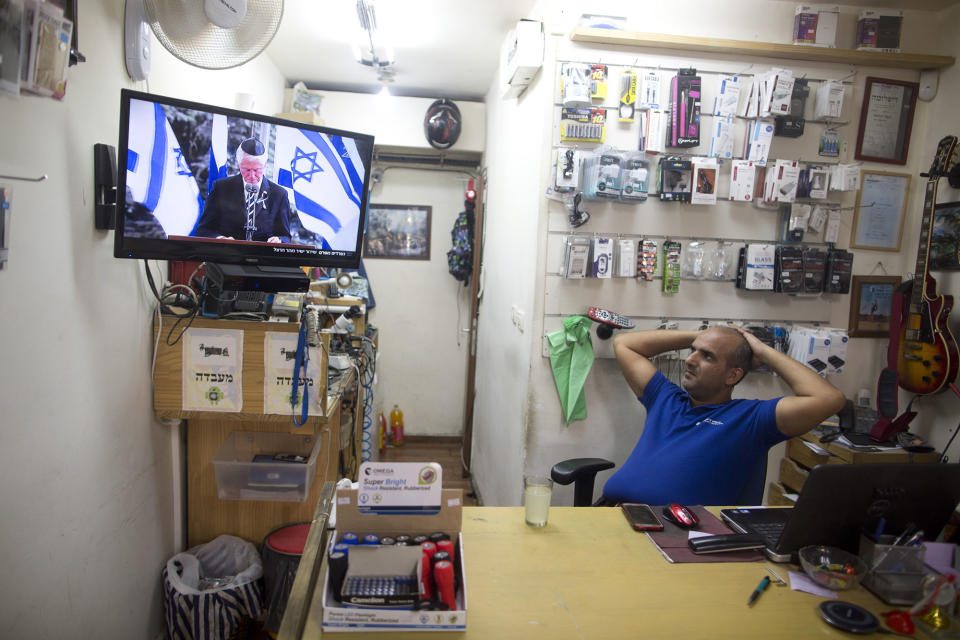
[(207, 515), (587, 574)]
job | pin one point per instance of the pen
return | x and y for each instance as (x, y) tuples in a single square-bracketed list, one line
[(756, 592), (915, 539)]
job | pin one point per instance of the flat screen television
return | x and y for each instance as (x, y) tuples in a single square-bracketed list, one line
[(199, 182)]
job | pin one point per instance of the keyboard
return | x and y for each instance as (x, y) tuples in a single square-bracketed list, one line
[(769, 531)]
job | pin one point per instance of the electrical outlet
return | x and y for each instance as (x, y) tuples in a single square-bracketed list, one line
[(515, 315)]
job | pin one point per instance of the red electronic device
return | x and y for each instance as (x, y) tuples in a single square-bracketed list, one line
[(608, 321)]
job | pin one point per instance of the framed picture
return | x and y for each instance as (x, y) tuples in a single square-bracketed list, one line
[(945, 239), (886, 118), (880, 211), (871, 302), (398, 231)]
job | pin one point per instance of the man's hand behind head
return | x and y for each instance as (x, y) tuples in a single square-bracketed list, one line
[(756, 346)]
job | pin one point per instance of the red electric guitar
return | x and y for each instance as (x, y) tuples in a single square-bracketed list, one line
[(927, 355)]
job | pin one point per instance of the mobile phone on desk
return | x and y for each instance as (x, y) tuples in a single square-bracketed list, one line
[(641, 517)]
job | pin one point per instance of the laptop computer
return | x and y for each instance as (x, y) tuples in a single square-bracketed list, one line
[(839, 501)]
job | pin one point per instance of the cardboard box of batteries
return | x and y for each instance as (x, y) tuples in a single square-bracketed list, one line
[(395, 559)]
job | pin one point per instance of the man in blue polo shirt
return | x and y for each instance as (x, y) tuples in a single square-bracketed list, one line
[(700, 446)]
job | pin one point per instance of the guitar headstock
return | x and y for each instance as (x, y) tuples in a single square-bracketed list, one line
[(946, 157)]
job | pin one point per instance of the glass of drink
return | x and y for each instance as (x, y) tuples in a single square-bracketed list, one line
[(536, 499)]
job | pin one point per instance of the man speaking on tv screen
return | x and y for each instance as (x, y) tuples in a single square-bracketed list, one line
[(247, 206)]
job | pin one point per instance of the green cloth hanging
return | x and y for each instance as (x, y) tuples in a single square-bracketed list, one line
[(571, 356)]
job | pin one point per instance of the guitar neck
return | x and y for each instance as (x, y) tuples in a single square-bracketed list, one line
[(918, 293)]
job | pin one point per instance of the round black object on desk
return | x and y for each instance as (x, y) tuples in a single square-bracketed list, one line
[(280, 552), (848, 617)]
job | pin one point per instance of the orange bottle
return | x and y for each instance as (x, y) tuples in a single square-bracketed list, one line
[(396, 426), (383, 433)]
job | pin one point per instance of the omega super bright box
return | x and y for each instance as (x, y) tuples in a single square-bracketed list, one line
[(382, 587)]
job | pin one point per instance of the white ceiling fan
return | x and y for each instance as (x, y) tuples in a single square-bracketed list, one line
[(210, 34)]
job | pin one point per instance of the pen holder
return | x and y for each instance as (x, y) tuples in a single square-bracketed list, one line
[(895, 572)]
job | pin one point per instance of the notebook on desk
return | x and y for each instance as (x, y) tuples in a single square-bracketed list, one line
[(838, 501)]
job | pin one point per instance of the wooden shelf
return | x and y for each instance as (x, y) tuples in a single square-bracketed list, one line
[(761, 49)]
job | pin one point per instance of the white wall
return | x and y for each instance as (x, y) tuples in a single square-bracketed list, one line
[(86, 474), (420, 308), (614, 416), (517, 132), (397, 121)]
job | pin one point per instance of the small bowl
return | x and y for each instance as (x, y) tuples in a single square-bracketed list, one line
[(832, 568)]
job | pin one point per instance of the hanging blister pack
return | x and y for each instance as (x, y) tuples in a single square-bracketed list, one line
[(705, 172), (792, 125), (728, 96), (839, 271), (814, 267), (674, 181), (635, 177), (568, 170), (788, 270), (575, 84), (625, 258), (671, 266), (694, 260), (598, 81), (723, 261), (583, 124), (650, 90), (602, 175), (829, 100), (743, 175), (602, 258), (647, 264), (575, 257), (685, 109), (628, 96), (829, 143)]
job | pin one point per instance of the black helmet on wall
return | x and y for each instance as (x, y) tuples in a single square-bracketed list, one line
[(441, 125)]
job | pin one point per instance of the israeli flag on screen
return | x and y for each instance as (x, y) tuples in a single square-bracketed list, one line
[(218, 151), (324, 173), (158, 175)]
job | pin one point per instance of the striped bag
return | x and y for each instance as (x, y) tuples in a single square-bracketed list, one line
[(209, 591)]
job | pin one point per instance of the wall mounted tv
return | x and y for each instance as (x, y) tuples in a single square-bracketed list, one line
[(199, 182)]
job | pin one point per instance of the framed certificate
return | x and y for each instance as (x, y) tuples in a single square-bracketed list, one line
[(871, 304), (880, 211), (886, 118)]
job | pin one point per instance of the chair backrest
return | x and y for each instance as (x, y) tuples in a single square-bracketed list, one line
[(752, 492)]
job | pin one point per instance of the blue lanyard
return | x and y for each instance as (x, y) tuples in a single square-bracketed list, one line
[(303, 357)]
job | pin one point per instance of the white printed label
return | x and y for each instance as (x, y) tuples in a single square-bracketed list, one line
[(400, 485)]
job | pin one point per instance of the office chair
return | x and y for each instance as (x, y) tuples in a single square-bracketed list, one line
[(583, 471)]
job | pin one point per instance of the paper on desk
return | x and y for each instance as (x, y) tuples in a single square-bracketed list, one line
[(801, 582), (939, 556), (816, 449)]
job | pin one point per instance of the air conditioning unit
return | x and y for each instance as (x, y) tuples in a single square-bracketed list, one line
[(522, 56)]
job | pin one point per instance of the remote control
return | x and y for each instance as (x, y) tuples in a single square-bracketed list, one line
[(608, 321), (610, 318)]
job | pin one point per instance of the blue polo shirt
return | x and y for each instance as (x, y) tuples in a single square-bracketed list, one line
[(694, 455)]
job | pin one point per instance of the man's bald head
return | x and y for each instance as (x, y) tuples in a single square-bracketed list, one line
[(739, 354)]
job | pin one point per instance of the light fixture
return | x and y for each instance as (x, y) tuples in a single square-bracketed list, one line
[(370, 49)]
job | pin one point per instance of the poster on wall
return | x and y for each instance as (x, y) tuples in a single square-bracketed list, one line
[(398, 231), (212, 371), (280, 356)]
